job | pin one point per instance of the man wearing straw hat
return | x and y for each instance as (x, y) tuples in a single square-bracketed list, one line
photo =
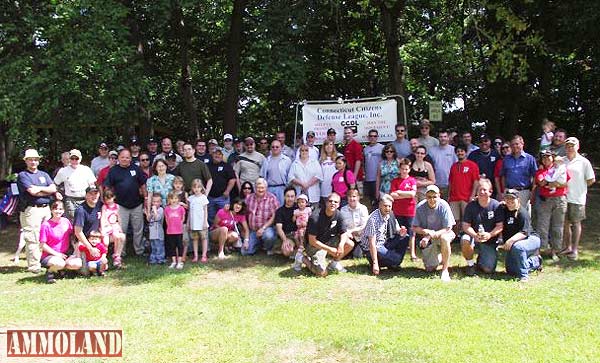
[(36, 189)]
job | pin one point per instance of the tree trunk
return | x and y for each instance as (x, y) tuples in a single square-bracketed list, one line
[(6, 149), (186, 72), (389, 20), (234, 52)]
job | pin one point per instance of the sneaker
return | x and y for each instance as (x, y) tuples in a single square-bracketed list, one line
[(524, 279), (336, 266), (173, 265), (541, 268), (471, 270), (298, 262), (50, 278), (179, 266), (445, 276)]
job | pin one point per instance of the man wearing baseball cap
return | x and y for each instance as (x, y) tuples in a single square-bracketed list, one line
[(433, 226), (36, 190), (100, 161), (74, 179), (313, 151), (582, 176), (227, 148)]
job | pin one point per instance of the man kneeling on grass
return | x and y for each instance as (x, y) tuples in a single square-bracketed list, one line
[(327, 236), (433, 227), (383, 241)]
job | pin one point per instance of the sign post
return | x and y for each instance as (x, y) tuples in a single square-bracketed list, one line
[(435, 111)]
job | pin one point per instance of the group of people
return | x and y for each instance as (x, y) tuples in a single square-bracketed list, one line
[(305, 202)]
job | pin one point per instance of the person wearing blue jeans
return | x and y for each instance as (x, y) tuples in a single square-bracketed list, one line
[(266, 239), (261, 207), (520, 244), (384, 241)]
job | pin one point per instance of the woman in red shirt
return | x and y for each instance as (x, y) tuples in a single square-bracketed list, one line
[(404, 189), (552, 206)]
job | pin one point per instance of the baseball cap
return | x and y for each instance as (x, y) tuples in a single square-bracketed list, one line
[(227, 137), (113, 153), (302, 196), (547, 152), (75, 152), (484, 136), (103, 145), (133, 141), (511, 193), (236, 140), (572, 140), (92, 189), (331, 131), (249, 139), (424, 122), (171, 155), (432, 188), (310, 133), (152, 141), (213, 141)]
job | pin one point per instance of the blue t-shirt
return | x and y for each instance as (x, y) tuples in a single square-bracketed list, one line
[(488, 216), (88, 218), (27, 179), (434, 218), (126, 183)]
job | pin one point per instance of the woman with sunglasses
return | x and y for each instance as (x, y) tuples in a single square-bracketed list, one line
[(498, 141), (388, 170), (504, 150), (422, 171), (145, 164), (246, 190)]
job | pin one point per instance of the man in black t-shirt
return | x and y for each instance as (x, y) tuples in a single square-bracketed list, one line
[(327, 236), (87, 219), (223, 181), (285, 227)]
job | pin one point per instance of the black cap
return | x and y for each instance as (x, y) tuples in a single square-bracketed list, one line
[(134, 141), (547, 152), (236, 140), (92, 189), (484, 136), (152, 141), (331, 131), (511, 193), (171, 155)]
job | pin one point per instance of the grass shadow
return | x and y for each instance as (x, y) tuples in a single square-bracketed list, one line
[(12, 269)]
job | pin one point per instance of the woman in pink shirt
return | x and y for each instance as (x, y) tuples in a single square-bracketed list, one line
[(174, 217), (55, 234), (343, 179), (225, 227)]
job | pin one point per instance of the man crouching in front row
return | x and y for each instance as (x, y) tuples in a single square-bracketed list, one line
[(327, 236)]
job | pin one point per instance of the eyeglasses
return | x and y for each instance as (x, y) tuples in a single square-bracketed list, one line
[(275, 147), (506, 147), (333, 201), (497, 142), (113, 157), (246, 188), (399, 130), (249, 144), (263, 142), (373, 135), (420, 153), (389, 151), (144, 159)]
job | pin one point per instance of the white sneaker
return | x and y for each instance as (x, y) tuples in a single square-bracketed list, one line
[(298, 262), (173, 264), (445, 276), (221, 256), (179, 266), (336, 266)]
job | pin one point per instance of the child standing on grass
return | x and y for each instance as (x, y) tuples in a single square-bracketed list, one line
[(97, 264), (110, 226), (174, 216), (156, 230), (179, 188), (198, 219)]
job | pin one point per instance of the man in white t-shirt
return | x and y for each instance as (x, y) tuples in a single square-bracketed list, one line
[(75, 178), (101, 161), (582, 176)]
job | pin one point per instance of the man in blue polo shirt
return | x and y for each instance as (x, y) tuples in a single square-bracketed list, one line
[(36, 189), (128, 182), (518, 170)]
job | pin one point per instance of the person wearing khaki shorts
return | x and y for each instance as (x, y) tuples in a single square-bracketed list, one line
[(35, 191), (433, 224)]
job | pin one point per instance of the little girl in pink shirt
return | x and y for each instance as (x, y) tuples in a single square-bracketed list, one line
[(174, 217), (110, 226)]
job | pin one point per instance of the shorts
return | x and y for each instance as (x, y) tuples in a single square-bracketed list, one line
[(431, 252), (45, 261), (406, 222), (278, 242), (202, 234), (575, 212), (458, 209)]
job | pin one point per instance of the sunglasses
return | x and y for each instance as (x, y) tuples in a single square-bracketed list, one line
[(246, 188), (144, 159), (506, 147), (399, 130), (389, 151)]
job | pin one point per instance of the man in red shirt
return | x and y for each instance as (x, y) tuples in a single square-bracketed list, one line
[(353, 152), (462, 183)]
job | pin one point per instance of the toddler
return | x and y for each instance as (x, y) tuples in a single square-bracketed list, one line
[(97, 264), (156, 231), (110, 226), (547, 135)]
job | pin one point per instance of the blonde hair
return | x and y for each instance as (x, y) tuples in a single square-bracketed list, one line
[(180, 180), (198, 183), (324, 155)]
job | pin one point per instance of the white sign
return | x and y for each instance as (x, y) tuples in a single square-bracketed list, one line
[(380, 115), (435, 111)]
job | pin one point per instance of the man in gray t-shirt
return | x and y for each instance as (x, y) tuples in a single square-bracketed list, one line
[(443, 157), (433, 226)]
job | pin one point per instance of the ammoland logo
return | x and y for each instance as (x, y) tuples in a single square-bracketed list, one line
[(64, 343)]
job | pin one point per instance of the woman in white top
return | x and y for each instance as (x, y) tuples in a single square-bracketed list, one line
[(306, 174), (355, 215), (327, 160)]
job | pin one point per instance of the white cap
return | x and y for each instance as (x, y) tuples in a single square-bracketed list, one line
[(302, 196), (31, 153), (227, 137), (432, 188), (75, 152)]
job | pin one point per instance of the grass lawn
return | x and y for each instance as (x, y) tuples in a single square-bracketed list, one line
[(258, 309)]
